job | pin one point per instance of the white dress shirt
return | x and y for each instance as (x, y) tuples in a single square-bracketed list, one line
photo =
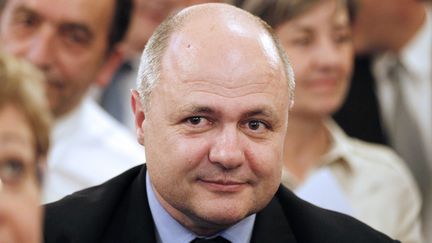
[(88, 147), (374, 181), (416, 57), (416, 84), (168, 230)]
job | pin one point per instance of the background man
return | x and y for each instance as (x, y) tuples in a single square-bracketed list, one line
[(212, 111), (74, 43), (390, 100), (146, 16)]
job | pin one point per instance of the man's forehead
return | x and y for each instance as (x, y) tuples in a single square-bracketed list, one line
[(227, 51)]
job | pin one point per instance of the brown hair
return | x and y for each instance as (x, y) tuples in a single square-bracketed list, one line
[(23, 86), (276, 12)]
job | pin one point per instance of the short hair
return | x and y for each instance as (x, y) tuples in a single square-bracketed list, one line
[(276, 12), (22, 85), (151, 61), (120, 22)]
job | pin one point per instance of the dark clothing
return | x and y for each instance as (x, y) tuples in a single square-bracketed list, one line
[(360, 115), (118, 212)]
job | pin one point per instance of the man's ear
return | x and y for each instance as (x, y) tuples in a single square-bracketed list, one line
[(110, 67), (138, 110)]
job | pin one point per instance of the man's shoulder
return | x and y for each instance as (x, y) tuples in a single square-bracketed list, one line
[(310, 223), (83, 216)]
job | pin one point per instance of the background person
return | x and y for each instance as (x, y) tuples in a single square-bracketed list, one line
[(24, 142), (390, 100), (322, 163), (146, 16), (74, 42), (212, 111)]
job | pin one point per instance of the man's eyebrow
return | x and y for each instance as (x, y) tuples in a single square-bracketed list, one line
[(24, 11), (194, 109), (264, 112)]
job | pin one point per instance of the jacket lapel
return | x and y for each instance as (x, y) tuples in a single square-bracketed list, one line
[(132, 221), (271, 225)]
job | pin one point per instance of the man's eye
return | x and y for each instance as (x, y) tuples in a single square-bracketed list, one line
[(11, 171), (25, 19), (257, 125), (198, 123), (76, 35), (195, 120)]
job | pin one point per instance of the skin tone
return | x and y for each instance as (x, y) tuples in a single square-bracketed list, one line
[(215, 128), (146, 16), (320, 49), (65, 39), (386, 25), (20, 214)]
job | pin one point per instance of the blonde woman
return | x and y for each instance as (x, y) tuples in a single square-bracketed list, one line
[(24, 142)]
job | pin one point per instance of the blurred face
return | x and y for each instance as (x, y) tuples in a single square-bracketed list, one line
[(215, 127), (376, 22), (319, 46), (67, 39), (20, 214), (147, 15)]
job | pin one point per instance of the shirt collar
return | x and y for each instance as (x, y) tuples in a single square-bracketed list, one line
[(339, 151), (417, 54), (65, 126), (168, 230)]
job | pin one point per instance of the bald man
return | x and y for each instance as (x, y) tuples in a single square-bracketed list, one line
[(211, 108)]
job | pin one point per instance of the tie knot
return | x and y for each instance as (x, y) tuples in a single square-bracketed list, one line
[(395, 66), (218, 239)]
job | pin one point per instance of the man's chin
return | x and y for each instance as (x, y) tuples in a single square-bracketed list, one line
[(223, 215)]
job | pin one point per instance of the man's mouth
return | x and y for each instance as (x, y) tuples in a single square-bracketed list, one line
[(223, 185)]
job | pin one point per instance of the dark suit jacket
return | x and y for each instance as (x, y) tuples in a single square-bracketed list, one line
[(360, 115), (118, 211)]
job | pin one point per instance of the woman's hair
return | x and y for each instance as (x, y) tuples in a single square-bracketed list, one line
[(277, 12), (22, 85)]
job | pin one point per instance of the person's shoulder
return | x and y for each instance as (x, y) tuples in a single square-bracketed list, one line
[(95, 117), (310, 223), (80, 217), (106, 136), (377, 158)]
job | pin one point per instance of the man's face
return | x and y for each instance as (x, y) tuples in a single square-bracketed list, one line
[(147, 15), (215, 128), (67, 39)]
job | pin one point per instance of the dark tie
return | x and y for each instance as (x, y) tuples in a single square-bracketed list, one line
[(218, 239)]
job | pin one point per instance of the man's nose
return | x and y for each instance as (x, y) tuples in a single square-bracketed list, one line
[(227, 149), (41, 51)]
